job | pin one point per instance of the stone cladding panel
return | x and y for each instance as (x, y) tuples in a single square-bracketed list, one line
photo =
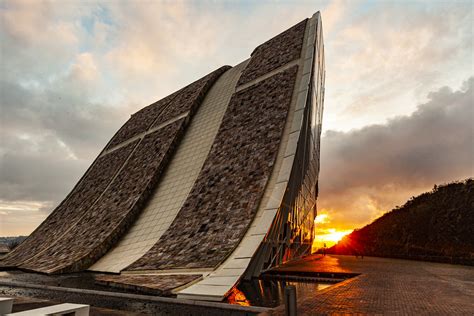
[(190, 97), (81, 198), (80, 202), (140, 121), (114, 212), (161, 285), (225, 197), (275, 53), (181, 101)]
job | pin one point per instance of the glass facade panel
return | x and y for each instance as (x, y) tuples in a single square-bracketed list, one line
[(292, 232)]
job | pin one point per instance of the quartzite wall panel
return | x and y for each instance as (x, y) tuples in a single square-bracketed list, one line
[(186, 99), (114, 212), (226, 194), (140, 121), (81, 198), (275, 53), (190, 97), (177, 180), (81, 203)]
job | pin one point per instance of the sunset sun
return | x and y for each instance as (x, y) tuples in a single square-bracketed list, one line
[(236, 157), (326, 233), (333, 235)]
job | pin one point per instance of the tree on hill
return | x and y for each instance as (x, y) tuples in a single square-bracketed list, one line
[(436, 225)]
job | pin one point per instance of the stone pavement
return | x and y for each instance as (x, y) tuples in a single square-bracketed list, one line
[(387, 286)]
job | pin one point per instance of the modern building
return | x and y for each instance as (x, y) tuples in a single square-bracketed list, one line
[(213, 183), (4, 250)]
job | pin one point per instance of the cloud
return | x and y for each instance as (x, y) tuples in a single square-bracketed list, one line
[(335, 13), (180, 41), (84, 69), (26, 215), (36, 38), (72, 73), (383, 58), (368, 171), (51, 131)]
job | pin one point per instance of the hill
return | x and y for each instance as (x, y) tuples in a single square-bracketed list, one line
[(434, 226), (12, 242)]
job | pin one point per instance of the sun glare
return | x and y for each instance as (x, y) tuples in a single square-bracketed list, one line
[(333, 235), (321, 219), (328, 237), (325, 235)]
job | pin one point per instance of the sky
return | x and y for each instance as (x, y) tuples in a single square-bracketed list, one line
[(399, 101)]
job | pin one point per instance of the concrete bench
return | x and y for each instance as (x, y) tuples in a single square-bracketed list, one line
[(6, 304), (56, 310)]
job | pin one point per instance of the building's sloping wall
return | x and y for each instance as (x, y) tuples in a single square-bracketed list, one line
[(94, 222), (181, 101), (283, 225), (86, 192), (113, 212), (275, 53), (292, 231), (140, 121), (226, 194), (178, 179)]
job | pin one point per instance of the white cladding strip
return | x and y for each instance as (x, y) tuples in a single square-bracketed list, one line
[(217, 284), (267, 75), (202, 272), (177, 180), (143, 134)]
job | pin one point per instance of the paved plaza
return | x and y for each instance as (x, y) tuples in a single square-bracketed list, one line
[(387, 286), (382, 286)]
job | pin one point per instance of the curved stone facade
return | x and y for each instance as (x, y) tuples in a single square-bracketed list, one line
[(275, 53), (112, 193), (177, 180), (226, 194), (82, 197), (93, 235), (213, 183), (180, 102)]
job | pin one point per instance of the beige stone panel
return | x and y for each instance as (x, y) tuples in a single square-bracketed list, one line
[(239, 260), (177, 180)]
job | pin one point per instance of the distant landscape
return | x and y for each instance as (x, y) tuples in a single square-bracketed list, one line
[(12, 242), (434, 226)]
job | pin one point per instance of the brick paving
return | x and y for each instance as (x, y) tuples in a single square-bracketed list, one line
[(387, 286)]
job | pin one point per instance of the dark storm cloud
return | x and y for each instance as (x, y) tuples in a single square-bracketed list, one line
[(365, 171)]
